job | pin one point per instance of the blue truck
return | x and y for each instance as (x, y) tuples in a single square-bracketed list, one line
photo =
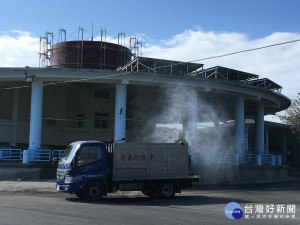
[(91, 169)]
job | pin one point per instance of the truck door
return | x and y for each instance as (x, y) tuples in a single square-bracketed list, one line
[(90, 164)]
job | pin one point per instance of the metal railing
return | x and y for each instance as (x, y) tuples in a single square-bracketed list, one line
[(10, 154), (278, 159), (36, 155), (43, 155), (267, 159), (237, 159), (248, 158), (225, 157), (39, 155), (57, 154)]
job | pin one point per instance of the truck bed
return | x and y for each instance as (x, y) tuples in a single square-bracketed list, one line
[(145, 161)]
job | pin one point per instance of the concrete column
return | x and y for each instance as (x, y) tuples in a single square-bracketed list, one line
[(284, 156), (258, 160), (279, 160), (36, 114), (236, 159), (15, 116), (259, 129), (191, 120), (273, 160), (267, 140), (239, 125), (246, 144), (120, 113)]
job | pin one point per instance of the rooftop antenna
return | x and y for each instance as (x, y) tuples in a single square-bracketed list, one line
[(92, 31), (102, 49), (45, 46), (62, 35), (80, 53), (121, 47), (136, 46)]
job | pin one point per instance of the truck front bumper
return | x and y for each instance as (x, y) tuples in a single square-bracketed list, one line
[(64, 187)]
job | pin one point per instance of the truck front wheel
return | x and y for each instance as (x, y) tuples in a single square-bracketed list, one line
[(167, 190), (93, 191)]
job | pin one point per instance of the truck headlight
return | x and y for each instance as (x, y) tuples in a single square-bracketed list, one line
[(68, 179)]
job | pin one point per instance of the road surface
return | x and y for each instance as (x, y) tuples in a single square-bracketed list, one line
[(39, 203)]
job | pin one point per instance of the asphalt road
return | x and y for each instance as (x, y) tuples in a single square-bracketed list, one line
[(201, 206)]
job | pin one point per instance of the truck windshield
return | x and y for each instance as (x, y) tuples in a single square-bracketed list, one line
[(69, 154)]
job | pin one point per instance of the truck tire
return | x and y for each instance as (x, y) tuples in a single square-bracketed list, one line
[(148, 192), (166, 190), (93, 191)]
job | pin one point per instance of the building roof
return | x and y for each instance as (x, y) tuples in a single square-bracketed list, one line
[(223, 73), (266, 83), (220, 72), (161, 66)]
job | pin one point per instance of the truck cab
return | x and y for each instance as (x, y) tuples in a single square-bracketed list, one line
[(83, 169)]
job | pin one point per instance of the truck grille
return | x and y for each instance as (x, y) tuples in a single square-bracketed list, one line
[(60, 174)]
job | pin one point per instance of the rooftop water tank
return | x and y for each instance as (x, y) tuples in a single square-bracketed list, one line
[(88, 54)]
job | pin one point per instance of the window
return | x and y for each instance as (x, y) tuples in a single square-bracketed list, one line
[(89, 154), (101, 120), (102, 94), (80, 120)]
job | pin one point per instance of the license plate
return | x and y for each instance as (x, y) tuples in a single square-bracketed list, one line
[(57, 187)]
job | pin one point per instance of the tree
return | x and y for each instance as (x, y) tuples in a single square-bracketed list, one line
[(292, 116)]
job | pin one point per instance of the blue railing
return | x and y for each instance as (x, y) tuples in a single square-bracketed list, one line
[(223, 158), (237, 159), (278, 159), (40, 155), (247, 158), (57, 154), (251, 158), (36, 155), (267, 159), (43, 155), (10, 154)]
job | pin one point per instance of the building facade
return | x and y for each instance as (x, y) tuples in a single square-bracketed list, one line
[(51, 107)]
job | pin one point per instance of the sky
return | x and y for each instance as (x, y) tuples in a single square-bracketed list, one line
[(185, 30)]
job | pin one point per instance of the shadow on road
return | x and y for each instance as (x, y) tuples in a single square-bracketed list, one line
[(175, 202), (193, 200), (280, 186)]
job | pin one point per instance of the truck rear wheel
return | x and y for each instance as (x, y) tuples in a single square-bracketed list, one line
[(166, 190), (93, 191)]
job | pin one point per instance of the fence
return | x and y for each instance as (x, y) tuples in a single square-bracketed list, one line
[(268, 159), (248, 159), (11, 154), (37, 155), (57, 154), (237, 159), (44, 155), (227, 158)]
